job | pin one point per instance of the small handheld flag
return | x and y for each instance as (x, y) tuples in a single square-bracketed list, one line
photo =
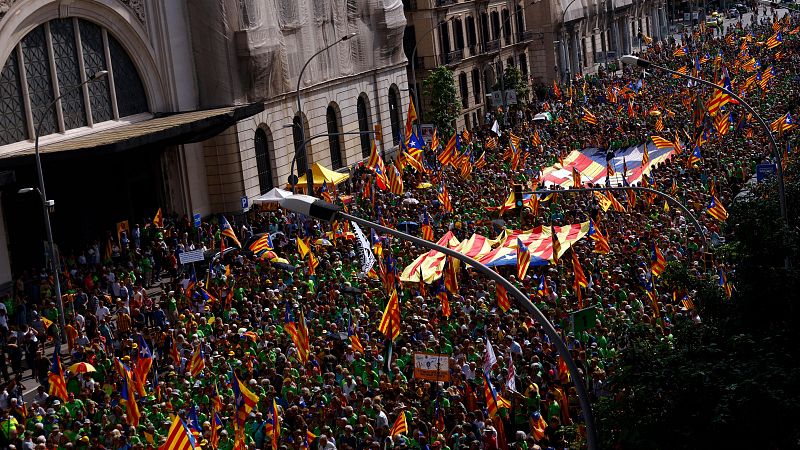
[(523, 259)]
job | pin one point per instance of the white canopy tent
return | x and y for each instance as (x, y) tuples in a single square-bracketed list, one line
[(273, 196)]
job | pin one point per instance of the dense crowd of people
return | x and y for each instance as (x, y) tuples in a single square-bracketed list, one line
[(210, 335)]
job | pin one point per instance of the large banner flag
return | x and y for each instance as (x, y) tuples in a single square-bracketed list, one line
[(367, 257), (590, 163), (501, 251)]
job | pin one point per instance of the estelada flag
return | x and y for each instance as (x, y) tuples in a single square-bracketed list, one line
[(390, 322), (178, 437)]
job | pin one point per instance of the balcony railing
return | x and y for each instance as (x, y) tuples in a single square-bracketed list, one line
[(525, 36), (491, 46), (454, 57)]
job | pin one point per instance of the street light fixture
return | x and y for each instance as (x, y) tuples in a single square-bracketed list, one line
[(49, 203), (321, 210), (300, 108), (644, 64)]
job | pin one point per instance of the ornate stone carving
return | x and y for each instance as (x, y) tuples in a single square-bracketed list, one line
[(5, 5), (137, 6)]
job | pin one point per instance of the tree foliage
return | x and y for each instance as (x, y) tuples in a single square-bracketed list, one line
[(728, 382), (514, 80), (444, 105)]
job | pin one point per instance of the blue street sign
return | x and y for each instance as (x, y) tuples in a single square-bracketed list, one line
[(244, 202), (197, 220), (764, 171)]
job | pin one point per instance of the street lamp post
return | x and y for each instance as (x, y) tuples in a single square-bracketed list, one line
[(46, 204), (300, 109), (320, 210), (564, 43), (643, 63), (309, 174)]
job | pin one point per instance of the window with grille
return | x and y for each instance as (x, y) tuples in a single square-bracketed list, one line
[(263, 146), (47, 63), (364, 124), (394, 113), (334, 143)]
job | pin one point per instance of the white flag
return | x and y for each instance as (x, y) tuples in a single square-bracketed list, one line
[(496, 128), (489, 359), (367, 258), (511, 384)]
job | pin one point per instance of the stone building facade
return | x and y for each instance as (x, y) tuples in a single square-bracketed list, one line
[(199, 108)]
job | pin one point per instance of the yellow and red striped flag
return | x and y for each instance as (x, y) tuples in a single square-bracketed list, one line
[(450, 276), (523, 259), (535, 139), (502, 298), (600, 241), (226, 230), (717, 210), (588, 117), (577, 270), (657, 261), (58, 386), (178, 437), (198, 362), (493, 400), (444, 198), (400, 426), (411, 117), (390, 322), (435, 140), (158, 219), (395, 180), (426, 227), (556, 244)]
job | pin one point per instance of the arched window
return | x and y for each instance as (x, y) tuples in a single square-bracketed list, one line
[(299, 130), (334, 142), (495, 25), (395, 115), (51, 57), (364, 124), (263, 146), (476, 85), (506, 27), (472, 36), (520, 19), (463, 89), (523, 64), (485, 28), (444, 38), (458, 34)]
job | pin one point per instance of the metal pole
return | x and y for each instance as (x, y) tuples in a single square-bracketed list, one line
[(664, 195), (309, 175), (564, 42), (643, 63), (43, 194), (555, 338), (303, 145), (49, 231)]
